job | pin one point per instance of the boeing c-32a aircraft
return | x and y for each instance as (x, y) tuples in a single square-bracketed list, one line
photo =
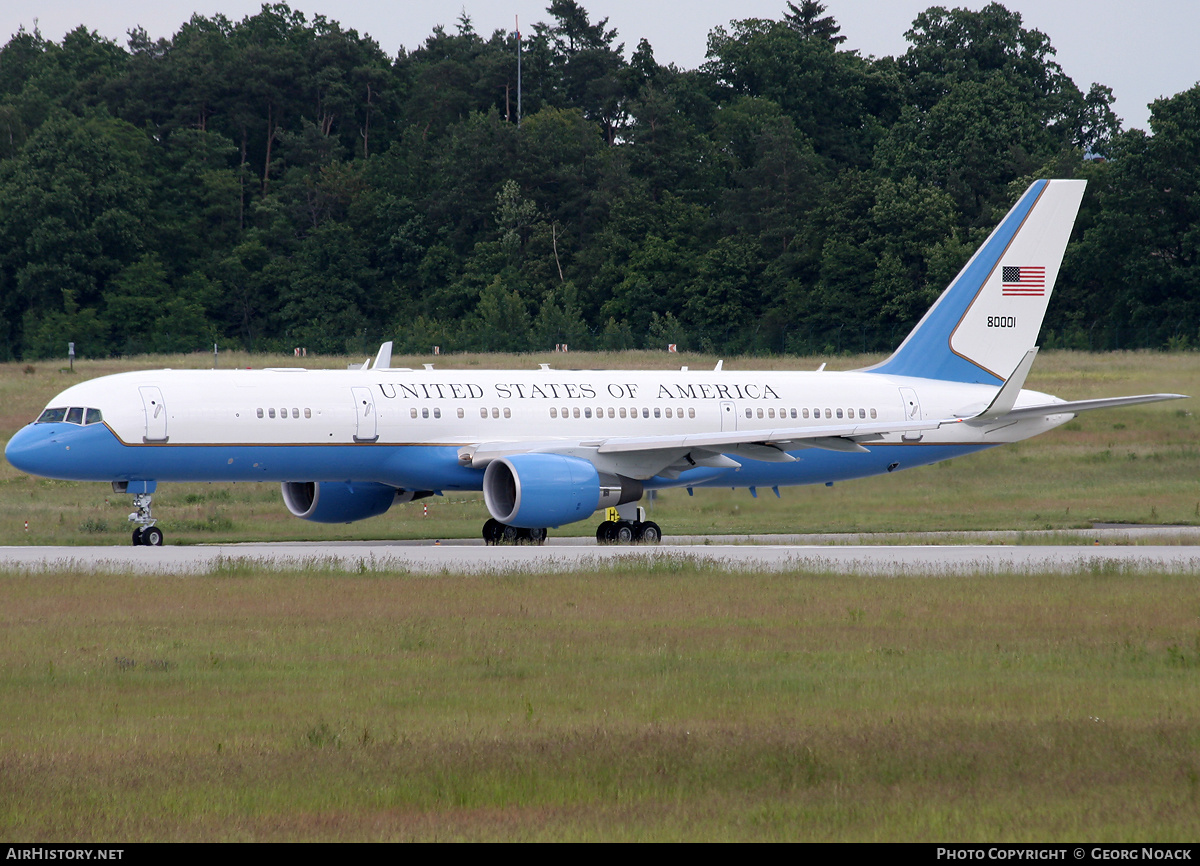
[(551, 447)]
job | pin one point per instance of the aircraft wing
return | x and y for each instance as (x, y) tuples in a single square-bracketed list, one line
[(646, 456), (831, 438)]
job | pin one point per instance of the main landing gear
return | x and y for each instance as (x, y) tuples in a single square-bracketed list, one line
[(495, 532), (628, 532), (627, 524), (146, 532)]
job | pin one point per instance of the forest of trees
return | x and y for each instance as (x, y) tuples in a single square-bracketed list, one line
[(280, 182)]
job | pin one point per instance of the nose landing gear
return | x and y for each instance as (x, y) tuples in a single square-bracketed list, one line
[(144, 532)]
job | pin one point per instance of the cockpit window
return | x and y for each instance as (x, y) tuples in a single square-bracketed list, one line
[(74, 415)]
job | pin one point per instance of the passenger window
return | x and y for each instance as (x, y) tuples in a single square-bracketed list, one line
[(862, 413), (749, 413), (437, 413), (622, 411), (483, 413), (793, 413), (93, 416), (553, 412), (657, 412), (283, 412), (461, 413), (760, 413), (424, 413), (805, 413), (645, 412), (413, 412), (507, 412), (308, 413), (495, 412), (271, 413), (828, 413), (668, 411), (872, 413), (612, 413), (839, 413), (770, 413), (295, 413), (260, 413), (587, 411), (576, 412), (691, 412)]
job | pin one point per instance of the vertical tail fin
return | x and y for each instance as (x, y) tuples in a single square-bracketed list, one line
[(989, 316)]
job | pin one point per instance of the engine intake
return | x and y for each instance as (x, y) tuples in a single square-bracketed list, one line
[(337, 501), (542, 490)]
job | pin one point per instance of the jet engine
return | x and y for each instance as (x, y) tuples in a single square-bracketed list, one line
[(338, 501), (532, 491)]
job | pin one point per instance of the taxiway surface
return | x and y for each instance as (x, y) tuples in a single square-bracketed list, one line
[(566, 555)]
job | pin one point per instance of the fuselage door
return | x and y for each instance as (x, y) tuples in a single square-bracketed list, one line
[(156, 413), (728, 417), (912, 412), (367, 428)]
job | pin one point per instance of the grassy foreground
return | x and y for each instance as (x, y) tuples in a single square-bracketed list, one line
[(1132, 465), (667, 700)]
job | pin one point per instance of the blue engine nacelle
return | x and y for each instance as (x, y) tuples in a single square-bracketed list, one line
[(532, 491), (337, 501)]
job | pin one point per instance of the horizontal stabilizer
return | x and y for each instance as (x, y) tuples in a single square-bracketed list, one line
[(1074, 407), (1007, 396)]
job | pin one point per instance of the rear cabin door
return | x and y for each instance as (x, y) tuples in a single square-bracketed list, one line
[(912, 412), (156, 413)]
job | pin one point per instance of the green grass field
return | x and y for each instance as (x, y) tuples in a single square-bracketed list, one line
[(663, 701), (1133, 465)]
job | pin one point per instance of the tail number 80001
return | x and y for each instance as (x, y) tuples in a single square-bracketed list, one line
[(1001, 321)]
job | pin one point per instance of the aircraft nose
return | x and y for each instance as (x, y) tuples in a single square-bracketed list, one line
[(31, 448)]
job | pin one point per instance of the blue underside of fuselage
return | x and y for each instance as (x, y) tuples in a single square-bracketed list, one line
[(93, 453)]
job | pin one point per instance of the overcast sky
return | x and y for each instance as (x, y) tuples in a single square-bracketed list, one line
[(1142, 50)]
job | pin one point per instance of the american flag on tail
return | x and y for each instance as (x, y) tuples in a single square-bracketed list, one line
[(1023, 281)]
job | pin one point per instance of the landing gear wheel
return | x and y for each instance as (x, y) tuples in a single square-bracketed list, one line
[(152, 536), (606, 532), (491, 531), (509, 534), (623, 533), (649, 533), (137, 537), (538, 536)]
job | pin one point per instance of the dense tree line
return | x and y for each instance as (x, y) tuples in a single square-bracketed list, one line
[(280, 182)]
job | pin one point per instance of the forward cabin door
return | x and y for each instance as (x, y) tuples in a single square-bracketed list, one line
[(156, 413), (367, 427)]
